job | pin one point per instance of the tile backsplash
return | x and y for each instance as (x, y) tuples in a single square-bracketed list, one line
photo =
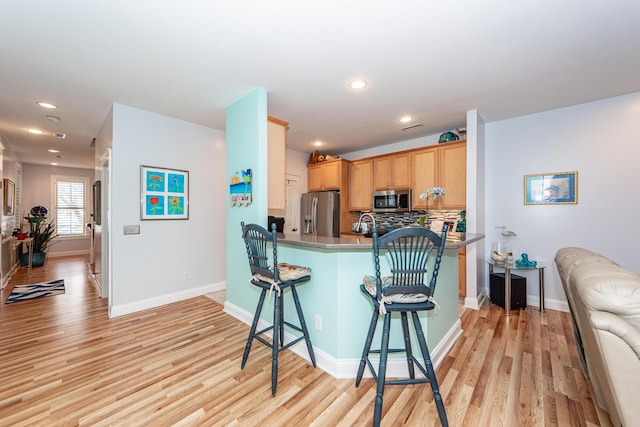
[(407, 219)]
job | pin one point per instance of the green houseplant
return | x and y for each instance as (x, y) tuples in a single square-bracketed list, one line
[(43, 232)]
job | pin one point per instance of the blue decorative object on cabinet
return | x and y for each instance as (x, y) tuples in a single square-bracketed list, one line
[(448, 137)]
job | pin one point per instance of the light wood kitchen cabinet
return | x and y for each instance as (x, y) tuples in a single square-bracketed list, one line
[(424, 175), (391, 172), (360, 189), (442, 165), (462, 272), (276, 155), (333, 175), (326, 175), (452, 175)]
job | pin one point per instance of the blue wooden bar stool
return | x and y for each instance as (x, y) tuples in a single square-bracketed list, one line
[(273, 277), (409, 289)]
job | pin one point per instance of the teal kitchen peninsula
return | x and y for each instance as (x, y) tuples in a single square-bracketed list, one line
[(338, 315)]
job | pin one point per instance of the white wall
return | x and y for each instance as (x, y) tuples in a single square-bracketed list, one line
[(392, 148), (601, 142), (149, 269), (297, 165)]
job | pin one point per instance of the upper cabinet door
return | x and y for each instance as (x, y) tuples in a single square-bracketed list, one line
[(332, 176), (315, 178), (360, 190), (391, 172), (326, 175), (277, 154), (452, 175), (424, 176), (401, 171)]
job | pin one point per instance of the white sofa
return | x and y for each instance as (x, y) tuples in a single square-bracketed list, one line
[(604, 299)]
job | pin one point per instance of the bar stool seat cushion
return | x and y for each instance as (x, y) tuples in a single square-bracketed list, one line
[(287, 272), (292, 272), (369, 283)]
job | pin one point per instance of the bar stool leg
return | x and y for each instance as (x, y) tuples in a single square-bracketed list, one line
[(437, 397), (382, 370), (282, 321), (252, 332), (275, 348), (407, 344), (303, 325), (367, 346)]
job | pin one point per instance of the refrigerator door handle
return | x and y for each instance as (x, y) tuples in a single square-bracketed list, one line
[(314, 216)]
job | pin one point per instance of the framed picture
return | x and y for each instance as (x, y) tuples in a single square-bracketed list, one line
[(560, 188), (452, 224), (164, 193), (9, 196), (97, 203)]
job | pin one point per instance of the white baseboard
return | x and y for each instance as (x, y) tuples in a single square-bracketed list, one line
[(10, 273), (347, 368), (476, 302), (122, 309), (551, 304), (96, 284)]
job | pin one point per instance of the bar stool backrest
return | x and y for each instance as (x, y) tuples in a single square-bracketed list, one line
[(259, 242), (409, 251)]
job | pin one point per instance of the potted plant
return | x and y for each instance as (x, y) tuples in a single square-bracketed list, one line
[(43, 232)]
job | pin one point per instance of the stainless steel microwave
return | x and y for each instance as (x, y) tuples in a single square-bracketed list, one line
[(392, 201)]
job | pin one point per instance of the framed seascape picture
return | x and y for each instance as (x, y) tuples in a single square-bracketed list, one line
[(560, 188), (9, 196), (164, 193)]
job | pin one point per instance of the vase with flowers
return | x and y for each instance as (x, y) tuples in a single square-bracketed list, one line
[(434, 193)]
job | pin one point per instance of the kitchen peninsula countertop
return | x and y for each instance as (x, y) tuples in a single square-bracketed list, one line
[(456, 241)]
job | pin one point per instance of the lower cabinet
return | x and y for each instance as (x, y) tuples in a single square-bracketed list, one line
[(462, 272)]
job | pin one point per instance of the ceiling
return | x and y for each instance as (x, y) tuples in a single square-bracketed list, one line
[(433, 60)]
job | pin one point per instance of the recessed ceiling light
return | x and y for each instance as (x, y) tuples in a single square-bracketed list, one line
[(35, 131), (358, 84), (54, 119), (46, 105), (405, 119), (53, 164), (53, 151), (318, 143)]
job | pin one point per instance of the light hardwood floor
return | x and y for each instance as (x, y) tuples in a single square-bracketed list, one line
[(64, 362)]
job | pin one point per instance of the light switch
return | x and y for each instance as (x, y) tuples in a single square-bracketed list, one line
[(131, 229)]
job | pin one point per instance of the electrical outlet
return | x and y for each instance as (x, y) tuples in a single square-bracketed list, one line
[(187, 275), (318, 323)]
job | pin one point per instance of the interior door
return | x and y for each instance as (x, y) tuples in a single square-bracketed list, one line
[(292, 203)]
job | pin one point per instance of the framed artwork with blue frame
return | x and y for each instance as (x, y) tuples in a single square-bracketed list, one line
[(164, 193), (560, 188)]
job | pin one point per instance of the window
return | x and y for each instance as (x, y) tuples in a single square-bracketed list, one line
[(70, 202)]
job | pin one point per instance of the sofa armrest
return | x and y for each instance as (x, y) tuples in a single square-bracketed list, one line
[(617, 326)]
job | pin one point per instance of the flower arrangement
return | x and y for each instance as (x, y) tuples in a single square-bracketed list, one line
[(434, 193)]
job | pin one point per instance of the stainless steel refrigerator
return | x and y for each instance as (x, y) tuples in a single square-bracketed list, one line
[(320, 213)]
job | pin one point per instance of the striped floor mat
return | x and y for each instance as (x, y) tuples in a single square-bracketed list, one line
[(36, 290)]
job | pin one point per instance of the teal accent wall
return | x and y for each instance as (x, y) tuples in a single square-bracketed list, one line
[(334, 294), (246, 148)]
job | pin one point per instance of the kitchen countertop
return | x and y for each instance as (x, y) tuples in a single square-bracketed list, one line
[(456, 241)]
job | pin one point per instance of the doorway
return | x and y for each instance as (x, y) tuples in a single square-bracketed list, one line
[(292, 200)]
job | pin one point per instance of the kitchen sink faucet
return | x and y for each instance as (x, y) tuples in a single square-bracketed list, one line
[(373, 220)]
